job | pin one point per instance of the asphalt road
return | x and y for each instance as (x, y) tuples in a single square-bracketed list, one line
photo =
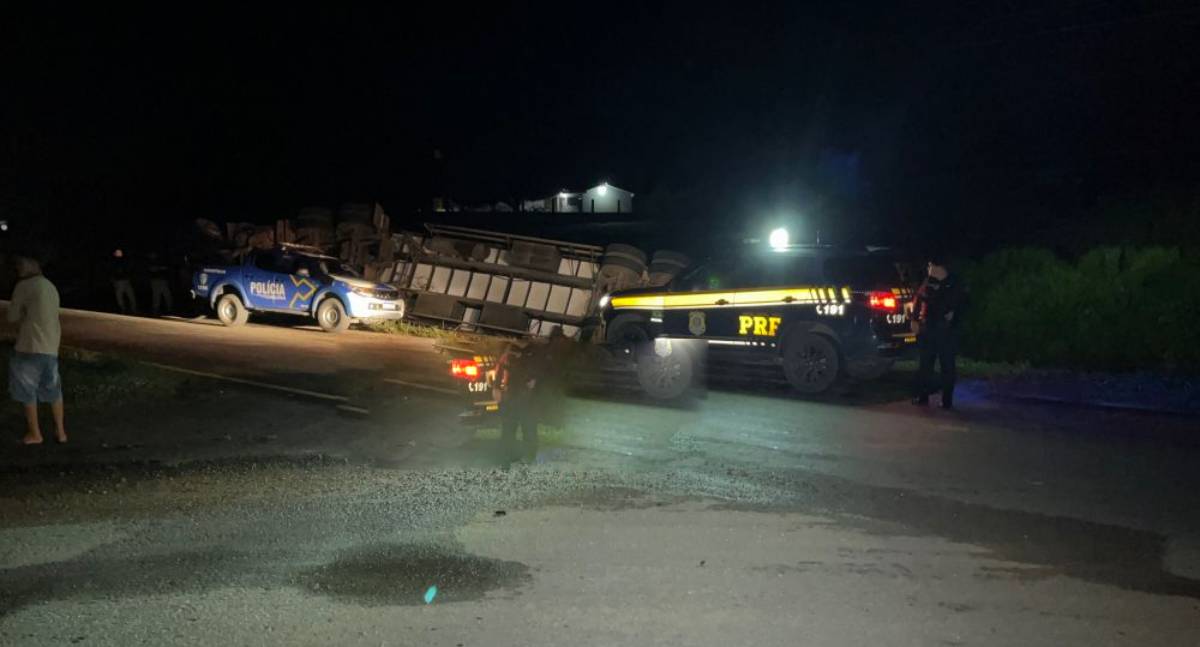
[(287, 350), (738, 518)]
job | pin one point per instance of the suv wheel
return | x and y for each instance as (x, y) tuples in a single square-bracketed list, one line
[(665, 369), (230, 310), (810, 362), (331, 316), (627, 334)]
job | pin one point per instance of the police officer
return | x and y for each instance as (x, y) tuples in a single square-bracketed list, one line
[(937, 315), (518, 374), (122, 275), (160, 285)]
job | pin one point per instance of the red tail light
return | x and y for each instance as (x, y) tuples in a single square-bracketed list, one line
[(465, 369), (885, 301)]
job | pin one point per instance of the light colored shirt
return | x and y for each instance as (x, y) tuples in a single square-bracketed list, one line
[(34, 308)]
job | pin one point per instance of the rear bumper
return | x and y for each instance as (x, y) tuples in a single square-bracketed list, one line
[(483, 413), (901, 348)]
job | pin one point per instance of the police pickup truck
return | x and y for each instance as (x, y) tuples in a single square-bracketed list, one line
[(818, 312), (295, 280)]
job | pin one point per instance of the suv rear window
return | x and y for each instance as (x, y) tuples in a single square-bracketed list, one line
[(749, 272), (863, 272)]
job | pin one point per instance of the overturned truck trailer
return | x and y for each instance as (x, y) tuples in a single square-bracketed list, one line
[(518, 285)]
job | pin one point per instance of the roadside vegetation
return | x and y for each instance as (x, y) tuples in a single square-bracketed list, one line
[(416, 330), (971, 368), (443, 336), (1109, 309)]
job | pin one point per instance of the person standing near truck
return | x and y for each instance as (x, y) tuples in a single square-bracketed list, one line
[(160, 285), (937, 315), (520, 376), (33, 369), (122, 280)]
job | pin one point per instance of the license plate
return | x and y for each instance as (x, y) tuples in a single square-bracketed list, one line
[(477, 387), (897, 319)]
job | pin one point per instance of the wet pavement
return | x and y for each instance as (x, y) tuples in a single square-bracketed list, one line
[(739, 517)]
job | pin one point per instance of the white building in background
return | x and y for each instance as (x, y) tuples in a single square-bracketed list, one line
[(602, 198)]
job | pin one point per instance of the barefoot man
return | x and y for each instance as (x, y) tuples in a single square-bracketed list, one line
[(33, 369)]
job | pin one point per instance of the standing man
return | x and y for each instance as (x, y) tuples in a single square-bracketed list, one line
[(33, 369), (519, 379), (937, 313), (160, 285), (122, 276)]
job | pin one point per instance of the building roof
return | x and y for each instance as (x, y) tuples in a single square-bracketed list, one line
[(611, 186)]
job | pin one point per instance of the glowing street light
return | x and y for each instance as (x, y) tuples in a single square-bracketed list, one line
[(602, 190), (779, 238)]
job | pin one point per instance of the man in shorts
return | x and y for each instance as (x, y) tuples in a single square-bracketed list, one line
[(33, 369)]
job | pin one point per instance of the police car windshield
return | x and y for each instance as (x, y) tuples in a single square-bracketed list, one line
[(746, 272), (328, 266)]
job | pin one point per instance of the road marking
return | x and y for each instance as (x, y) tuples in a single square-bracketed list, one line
[(264, 385), (417, 385), (353, 409)]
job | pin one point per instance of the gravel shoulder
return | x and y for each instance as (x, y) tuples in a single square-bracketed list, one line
[(334, 553)]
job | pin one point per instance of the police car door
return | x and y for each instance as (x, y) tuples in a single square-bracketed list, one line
[(266, 284), (302, 283), (708, 309)]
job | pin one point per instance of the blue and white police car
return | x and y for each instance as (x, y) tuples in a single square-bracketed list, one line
[(296, 280)]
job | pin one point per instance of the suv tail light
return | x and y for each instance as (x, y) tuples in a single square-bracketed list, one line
[(464, 369), (883, 301)]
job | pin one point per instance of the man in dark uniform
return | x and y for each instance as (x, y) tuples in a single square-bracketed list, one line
[(160, 285), (122, 280), (519, 373), (937, 313)]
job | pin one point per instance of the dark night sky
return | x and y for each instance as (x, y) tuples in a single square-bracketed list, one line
[(872, 116)]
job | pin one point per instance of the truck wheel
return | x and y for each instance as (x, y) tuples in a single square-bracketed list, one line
[(665, 369), (230, 310), (332, 316), (810, 362)]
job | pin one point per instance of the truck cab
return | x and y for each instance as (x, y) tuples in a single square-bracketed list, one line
[(295, 280)]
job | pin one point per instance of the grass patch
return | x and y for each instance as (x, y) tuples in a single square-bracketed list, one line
[(94, 382), (417, 330), (974, 368), (481, 343)]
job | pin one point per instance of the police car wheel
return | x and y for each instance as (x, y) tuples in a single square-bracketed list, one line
[(627, 333), (665, 375), (230, 310), (810, 362), (331, 316)]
